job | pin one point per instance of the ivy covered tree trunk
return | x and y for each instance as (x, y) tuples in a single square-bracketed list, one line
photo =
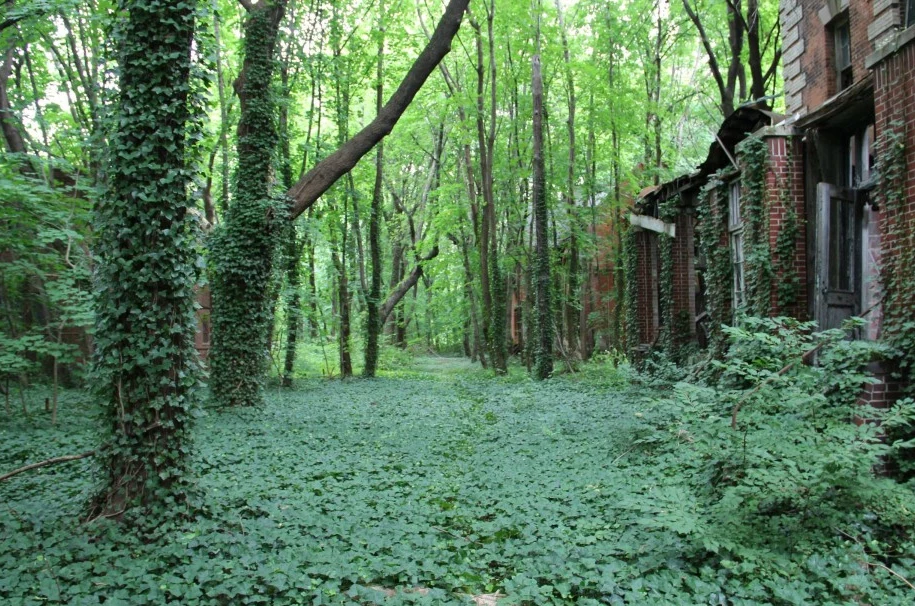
[(491, 280), (342, 257), (543, 365), (243, 248), (145, 364)]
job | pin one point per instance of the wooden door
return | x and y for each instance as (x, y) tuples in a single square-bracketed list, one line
[(838, 259)]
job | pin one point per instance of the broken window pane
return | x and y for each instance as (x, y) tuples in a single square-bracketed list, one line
[(841, 245)]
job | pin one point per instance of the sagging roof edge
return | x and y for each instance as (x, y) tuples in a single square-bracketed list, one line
[(734, 129)]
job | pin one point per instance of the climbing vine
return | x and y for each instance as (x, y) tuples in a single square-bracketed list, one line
[(754, 154), (667, 212), (666, 295), (898, 261), (243, 248), (712, 210), (146, 368), (789, 282), (631, 303)]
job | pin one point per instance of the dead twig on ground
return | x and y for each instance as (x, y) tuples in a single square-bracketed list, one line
[(47, 462)]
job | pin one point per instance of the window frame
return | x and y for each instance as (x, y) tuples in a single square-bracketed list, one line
[(736, 244), (843, 71)]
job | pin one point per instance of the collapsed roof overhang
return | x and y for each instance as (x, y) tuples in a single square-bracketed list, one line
[(854, 105), (735, 128)]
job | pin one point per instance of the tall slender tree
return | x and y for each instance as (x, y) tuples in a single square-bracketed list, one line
[(543, 365), (372, 320)]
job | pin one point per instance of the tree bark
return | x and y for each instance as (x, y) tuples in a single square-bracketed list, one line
[(15, 143), (373, 321), (544, 351)]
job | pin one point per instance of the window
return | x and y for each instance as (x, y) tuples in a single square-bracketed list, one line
[(842, 36), (910, 13), (860, 152), (735, 228), (841, 244)]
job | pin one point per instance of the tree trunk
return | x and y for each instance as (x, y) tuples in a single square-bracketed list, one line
[(544, 352), (223, 112), (572, 295), (147, 367), (242, 251), (373, 321)]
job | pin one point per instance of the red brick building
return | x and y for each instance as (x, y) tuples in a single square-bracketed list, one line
[(203, 334), (849, 70)]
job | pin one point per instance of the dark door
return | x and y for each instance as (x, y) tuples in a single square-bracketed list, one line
[(838, 255)]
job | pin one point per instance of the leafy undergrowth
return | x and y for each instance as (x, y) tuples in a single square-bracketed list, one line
[(564, 492)]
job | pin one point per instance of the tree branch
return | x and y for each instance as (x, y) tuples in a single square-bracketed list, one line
[(404, 287), (319, 179), (64, 459), (712, 59)]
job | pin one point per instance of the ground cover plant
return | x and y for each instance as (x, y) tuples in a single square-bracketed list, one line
[(586, 489)]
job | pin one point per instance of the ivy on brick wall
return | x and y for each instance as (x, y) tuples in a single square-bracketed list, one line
[(758, 274), (788, 281), (712, 209), (630, 258), (898, 262), (675, 327), (666, 296)]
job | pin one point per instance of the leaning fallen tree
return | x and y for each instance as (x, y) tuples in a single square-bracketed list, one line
[(320, 178), (239, 278), (405, 286)]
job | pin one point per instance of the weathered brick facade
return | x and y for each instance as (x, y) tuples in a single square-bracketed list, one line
[(784, 194), (203, 334), (821, 166)]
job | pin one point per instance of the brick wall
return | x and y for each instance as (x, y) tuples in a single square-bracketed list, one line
[(894, 104), (885, 392), (785, 186), (684, 271), (894, 101), (203, 335), (808, 46), (646, 279), (684, 279)]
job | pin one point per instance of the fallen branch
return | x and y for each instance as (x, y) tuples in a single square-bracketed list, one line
[(868, 563), (455, 535), (64, 459)]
